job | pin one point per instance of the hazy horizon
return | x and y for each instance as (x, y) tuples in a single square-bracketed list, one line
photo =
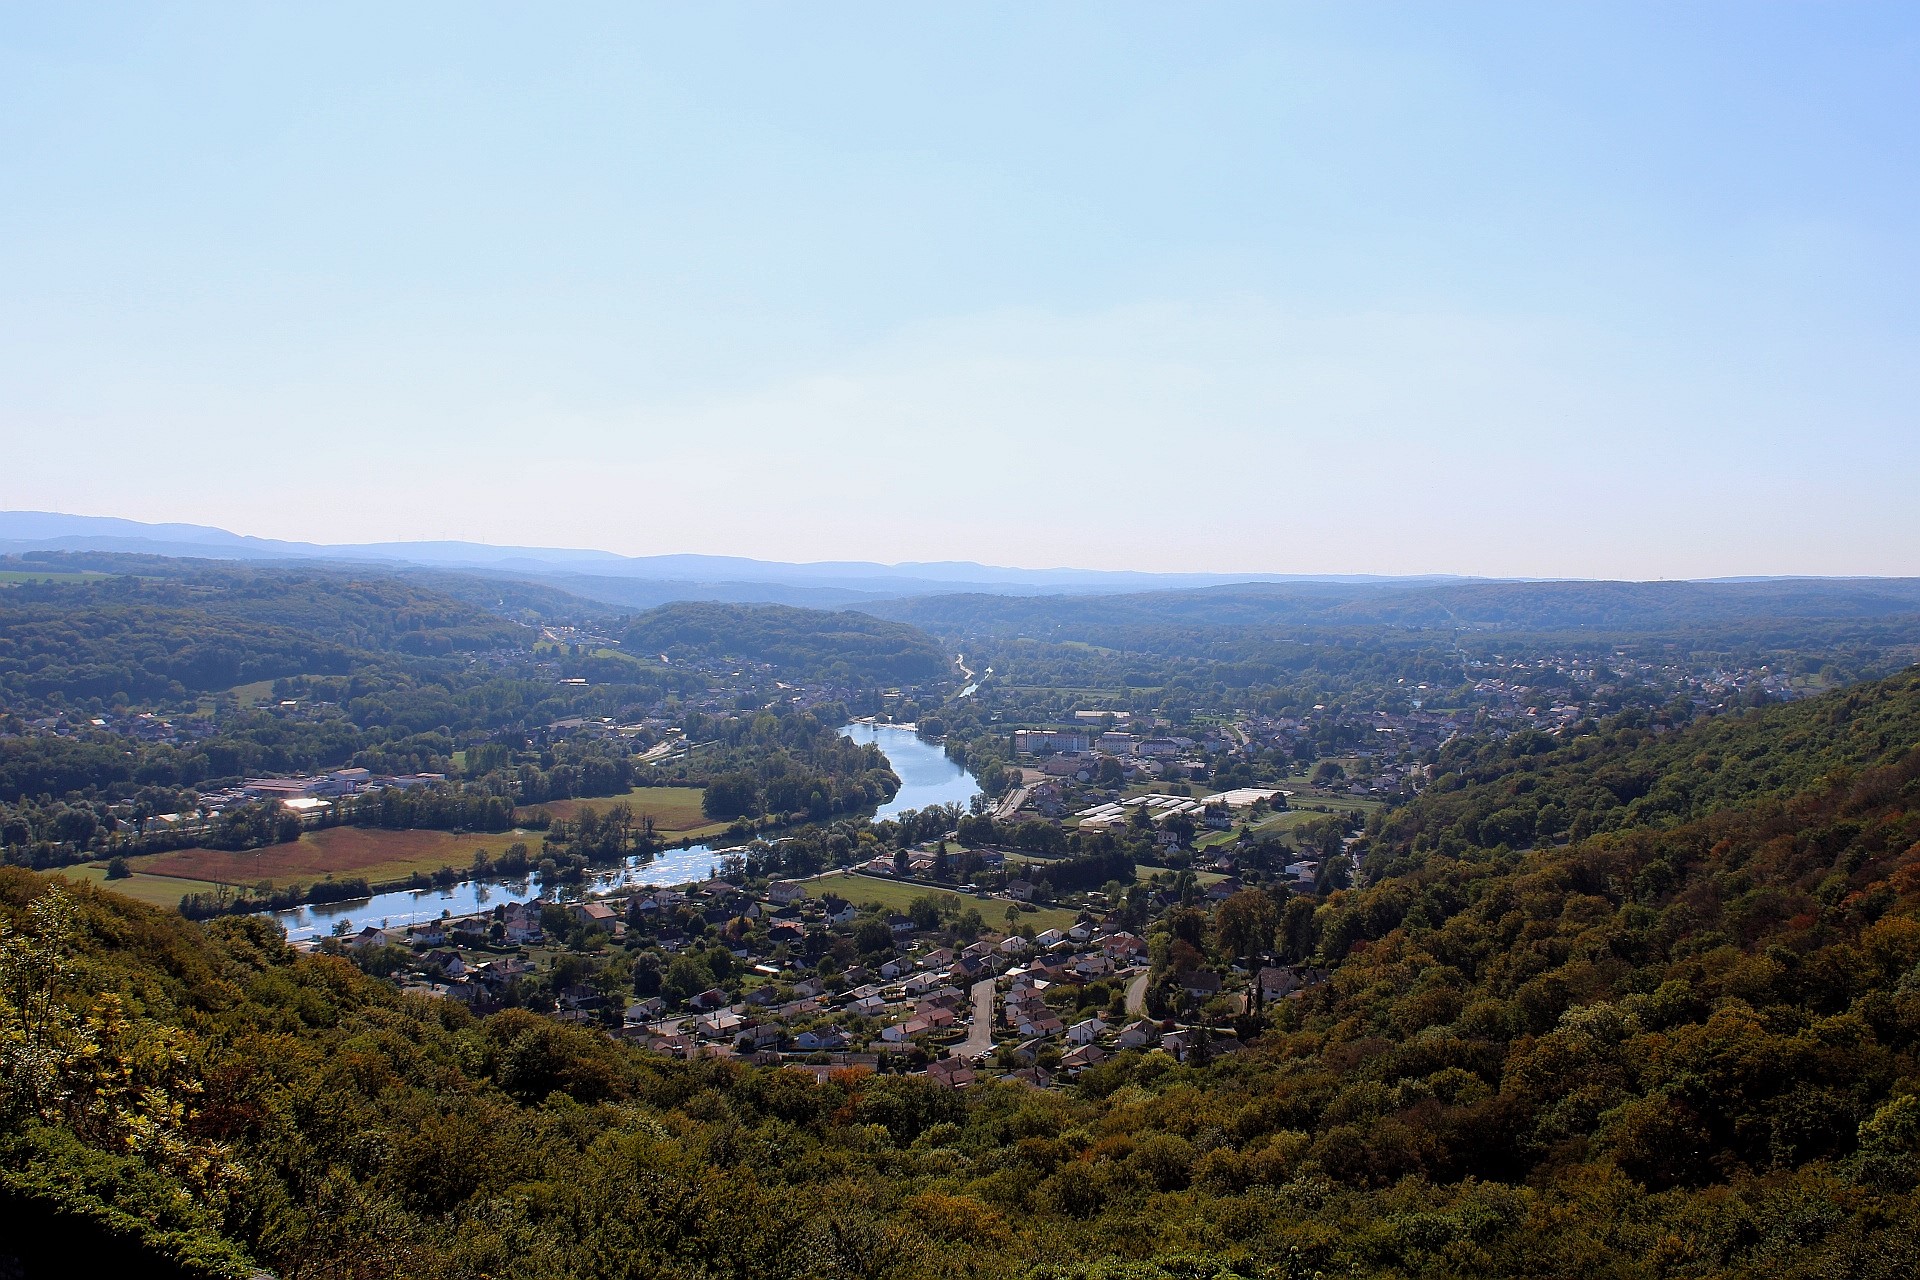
[(1503, 291), (590, 557)]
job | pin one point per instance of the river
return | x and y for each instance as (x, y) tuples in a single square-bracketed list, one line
[(927, 777)]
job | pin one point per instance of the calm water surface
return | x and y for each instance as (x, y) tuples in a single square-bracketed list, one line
[(927, 776)]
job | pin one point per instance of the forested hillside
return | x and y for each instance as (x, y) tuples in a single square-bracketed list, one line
[(1682, 1045), (169, 638), (1636, 771), (797, 643)]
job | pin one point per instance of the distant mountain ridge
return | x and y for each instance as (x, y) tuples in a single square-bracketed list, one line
[(955, 598), (596, 572)]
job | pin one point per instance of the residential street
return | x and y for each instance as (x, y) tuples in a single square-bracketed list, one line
[(979, 1041)]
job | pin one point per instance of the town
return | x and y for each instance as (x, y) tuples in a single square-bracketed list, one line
[(791, 972)]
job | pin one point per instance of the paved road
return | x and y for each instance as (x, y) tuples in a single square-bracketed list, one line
[(1137, 995), (979, 1041)]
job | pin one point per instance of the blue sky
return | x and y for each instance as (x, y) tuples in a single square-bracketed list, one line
[(1604, 290)]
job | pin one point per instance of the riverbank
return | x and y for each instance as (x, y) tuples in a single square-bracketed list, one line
[(404, 904), (927, 777)]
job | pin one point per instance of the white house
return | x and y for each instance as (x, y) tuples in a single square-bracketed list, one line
[(785, 892), (1086, 1032)]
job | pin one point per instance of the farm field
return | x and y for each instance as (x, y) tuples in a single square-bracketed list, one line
[(372, 852), (10, 577), (155, 891), (676, 810), (896, 895)]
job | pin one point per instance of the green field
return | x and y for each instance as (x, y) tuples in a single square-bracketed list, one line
[(256, 692), (253, 694), (897, 895), (675, 811), (11, 577), (155, 891), (1287, 819)]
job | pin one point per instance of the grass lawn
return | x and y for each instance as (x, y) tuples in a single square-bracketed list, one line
[(1287, 819), (155, 891), (372, 852), (676, 810), (8, 577), (252, 694), (896, 895), (256, 692)]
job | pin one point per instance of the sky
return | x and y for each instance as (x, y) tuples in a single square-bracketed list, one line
[(1607, 290)]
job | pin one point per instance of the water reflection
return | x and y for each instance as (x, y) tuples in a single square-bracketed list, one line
[(417, 906)]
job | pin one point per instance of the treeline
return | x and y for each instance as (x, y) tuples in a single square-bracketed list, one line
[(570, 774), (228, 900), (1092, 870), (437, 808)]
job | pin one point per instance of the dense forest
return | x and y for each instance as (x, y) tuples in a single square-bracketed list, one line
[(163, 640), (1682, 1044), (802, 644)]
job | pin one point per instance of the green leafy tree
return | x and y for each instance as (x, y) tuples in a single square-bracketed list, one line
[(1244, 926)]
